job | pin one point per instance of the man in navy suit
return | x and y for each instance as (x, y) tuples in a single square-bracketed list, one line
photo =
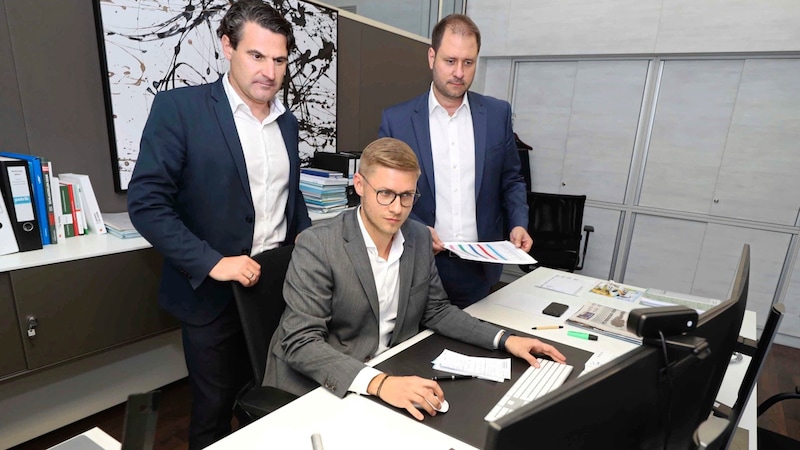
[(217, 181), (477, 192)]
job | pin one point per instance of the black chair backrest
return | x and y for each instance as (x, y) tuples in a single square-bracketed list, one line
[(753, 371), (555, 223), (261, 306)]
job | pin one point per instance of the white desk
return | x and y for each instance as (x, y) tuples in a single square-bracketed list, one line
[(86, 440), (356, 422)]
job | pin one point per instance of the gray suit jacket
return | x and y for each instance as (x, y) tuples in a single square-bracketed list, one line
[(330, 326)]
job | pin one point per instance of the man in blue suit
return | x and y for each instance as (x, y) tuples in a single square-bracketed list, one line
[(217, 181), (477, 192)]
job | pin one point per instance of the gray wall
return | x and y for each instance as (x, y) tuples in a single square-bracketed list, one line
[(52, 101)]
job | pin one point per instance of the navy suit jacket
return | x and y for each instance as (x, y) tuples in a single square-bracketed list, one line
[(189, 196), (500, 197)]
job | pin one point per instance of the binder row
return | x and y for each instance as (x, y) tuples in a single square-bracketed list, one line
[(38, 209)]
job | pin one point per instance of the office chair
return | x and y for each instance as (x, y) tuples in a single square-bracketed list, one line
[(718, 431), (554, 223), (260, 308)]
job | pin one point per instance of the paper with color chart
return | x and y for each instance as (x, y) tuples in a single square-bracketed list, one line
[(498, 252)]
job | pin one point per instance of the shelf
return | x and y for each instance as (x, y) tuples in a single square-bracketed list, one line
[(79, 247)]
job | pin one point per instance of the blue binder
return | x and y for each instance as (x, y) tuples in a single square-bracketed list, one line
[(37, 185)]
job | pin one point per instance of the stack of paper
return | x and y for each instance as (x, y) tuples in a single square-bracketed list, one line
[(494, 369), (119, 224)]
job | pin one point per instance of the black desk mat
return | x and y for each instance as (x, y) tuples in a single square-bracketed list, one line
[(470, 400)]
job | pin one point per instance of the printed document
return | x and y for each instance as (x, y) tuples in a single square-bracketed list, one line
[(499, 252), (494, 369)]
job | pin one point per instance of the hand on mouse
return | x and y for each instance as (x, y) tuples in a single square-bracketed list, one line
[(410, 392)]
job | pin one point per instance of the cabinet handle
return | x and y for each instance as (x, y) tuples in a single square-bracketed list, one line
[(716, 200), (32, 324)]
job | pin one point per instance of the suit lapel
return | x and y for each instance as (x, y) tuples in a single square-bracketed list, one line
[(478, 110), (420, 121), (288, 133), (222, 108), (357, 253), (405, 278)]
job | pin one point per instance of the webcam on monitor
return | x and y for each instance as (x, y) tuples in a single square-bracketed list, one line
[(665, 320)]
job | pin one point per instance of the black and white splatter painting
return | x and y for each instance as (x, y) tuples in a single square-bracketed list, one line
[(157, 45)]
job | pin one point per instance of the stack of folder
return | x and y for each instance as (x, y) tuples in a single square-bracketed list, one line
[(323, 190), (119, 225)]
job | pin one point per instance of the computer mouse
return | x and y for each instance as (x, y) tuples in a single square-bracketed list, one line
[(442, 409)]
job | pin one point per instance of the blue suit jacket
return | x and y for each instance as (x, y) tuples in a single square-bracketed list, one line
[(501, 200), (189, 195)]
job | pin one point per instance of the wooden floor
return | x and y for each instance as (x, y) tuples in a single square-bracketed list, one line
[(781, 374)]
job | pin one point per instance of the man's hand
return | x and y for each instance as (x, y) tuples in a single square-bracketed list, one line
[(524, 347), (521, 239), (438, 245), (237, 268), (405, 392)]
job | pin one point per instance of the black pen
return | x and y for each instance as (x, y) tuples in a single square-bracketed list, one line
[(452, 377)]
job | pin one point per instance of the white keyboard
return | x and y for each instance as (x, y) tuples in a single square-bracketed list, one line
[(532, 384)]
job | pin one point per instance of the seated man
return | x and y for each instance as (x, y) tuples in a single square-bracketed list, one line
[(365, 281)]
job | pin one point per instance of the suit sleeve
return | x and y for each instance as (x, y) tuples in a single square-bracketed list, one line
[(514, 195), (308, 293), (154, 188)]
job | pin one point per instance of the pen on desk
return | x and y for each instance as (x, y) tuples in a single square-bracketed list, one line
[(548, 327), (579, 335), (452, 377), (316, 442)]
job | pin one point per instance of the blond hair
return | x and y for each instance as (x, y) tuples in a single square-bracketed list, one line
[(391, 153)]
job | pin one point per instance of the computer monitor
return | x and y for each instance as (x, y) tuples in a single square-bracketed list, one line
[(653, 397)]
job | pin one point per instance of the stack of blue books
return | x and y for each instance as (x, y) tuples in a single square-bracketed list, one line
[(323, 190)]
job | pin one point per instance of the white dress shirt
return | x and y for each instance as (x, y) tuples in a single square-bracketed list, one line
[(267, 168), (387, 282), (453, 147)]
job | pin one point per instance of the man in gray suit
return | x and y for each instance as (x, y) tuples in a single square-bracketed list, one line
[(367, 281)]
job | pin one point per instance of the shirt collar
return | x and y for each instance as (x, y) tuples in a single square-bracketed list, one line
[(433, 103), (276, 108), (397, 239)]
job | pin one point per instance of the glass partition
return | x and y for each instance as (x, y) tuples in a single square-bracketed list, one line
[(415, 16)]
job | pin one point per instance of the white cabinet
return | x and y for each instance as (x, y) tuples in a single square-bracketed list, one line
[(681, 166), (701, 258), (581, 119), (724, 140)]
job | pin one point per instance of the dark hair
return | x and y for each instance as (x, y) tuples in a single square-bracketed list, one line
[(458, 24), (258, 12)]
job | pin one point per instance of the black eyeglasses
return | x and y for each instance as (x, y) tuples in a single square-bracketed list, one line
[(386, 197)]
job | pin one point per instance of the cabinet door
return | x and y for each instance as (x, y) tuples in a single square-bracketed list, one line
[(581, 119), (12, 358), (90, 304), (722, 247), (758, 178), (664, 253), (700, 258), (600, 253), (542, 105), (692, 119)]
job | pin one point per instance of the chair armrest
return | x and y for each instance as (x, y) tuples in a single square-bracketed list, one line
[(262, 400)]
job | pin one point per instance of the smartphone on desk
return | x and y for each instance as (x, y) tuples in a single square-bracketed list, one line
[(555, 309)]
